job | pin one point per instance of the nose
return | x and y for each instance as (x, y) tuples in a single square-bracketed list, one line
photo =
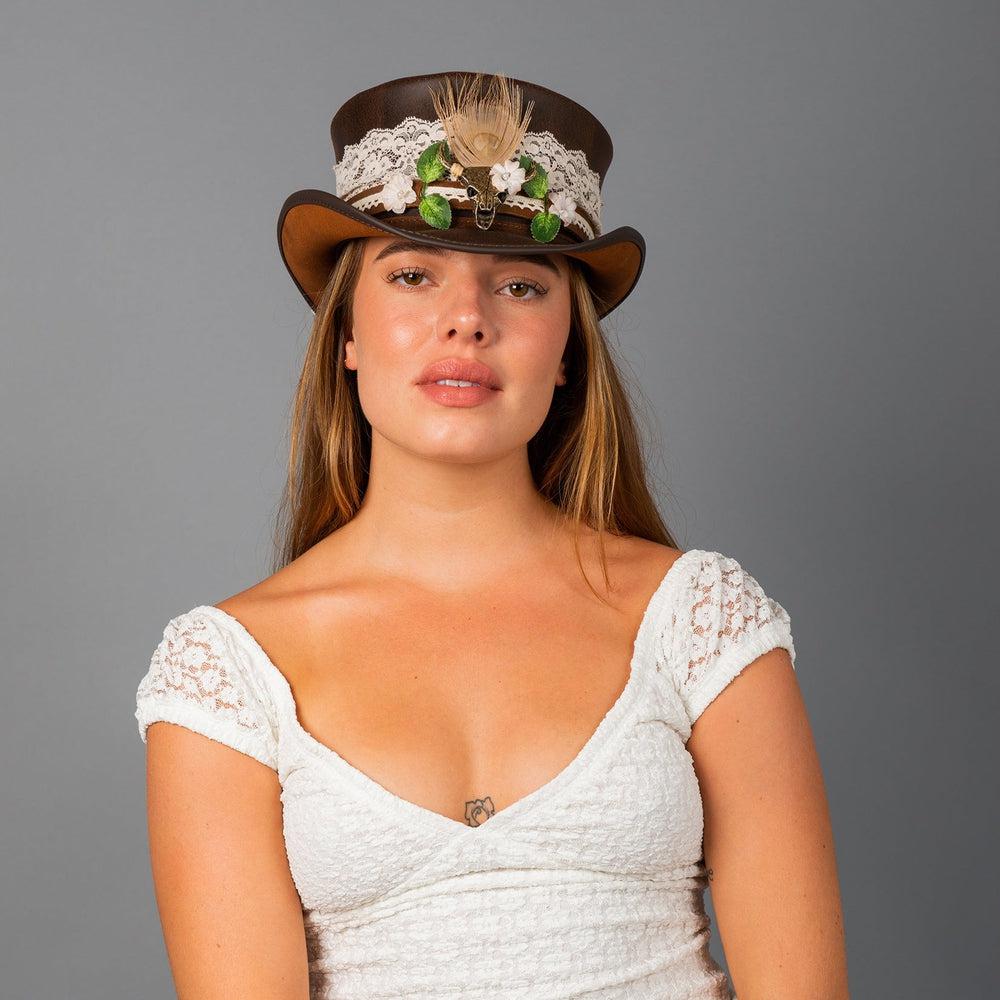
[(468, 314)]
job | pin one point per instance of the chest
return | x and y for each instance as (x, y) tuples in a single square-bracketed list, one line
[(461, 706), (556, 727)]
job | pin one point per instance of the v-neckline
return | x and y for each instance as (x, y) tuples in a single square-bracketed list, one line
[(406, 808)]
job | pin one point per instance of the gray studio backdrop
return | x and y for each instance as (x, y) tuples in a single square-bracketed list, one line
[(816, 335)]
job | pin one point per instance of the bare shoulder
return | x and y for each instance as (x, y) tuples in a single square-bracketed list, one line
[(640, 556), (263, 605), (636, 565), (656, 555), (296, 579), (284, 611)]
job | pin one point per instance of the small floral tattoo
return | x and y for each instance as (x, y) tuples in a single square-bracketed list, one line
[(478, 811)]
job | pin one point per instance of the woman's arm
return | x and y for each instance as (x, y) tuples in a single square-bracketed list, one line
[(231, 916), (768, 839)]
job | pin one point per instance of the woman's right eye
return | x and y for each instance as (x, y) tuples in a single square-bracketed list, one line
[(406, 273)]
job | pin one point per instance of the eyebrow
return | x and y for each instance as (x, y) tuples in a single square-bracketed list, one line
[(410, 246)]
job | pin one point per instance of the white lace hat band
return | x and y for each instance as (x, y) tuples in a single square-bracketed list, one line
[(385, 155)]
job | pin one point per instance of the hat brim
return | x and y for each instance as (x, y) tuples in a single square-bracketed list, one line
[(313, 224)]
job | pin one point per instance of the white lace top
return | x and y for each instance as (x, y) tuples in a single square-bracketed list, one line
[(590, 886)]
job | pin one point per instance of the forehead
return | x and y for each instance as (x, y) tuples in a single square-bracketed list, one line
[(382, 248)]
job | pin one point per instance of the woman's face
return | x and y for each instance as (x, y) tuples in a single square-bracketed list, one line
[(415, 306)]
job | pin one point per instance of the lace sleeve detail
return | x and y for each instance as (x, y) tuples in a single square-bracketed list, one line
[(721, 622), (198, 680)]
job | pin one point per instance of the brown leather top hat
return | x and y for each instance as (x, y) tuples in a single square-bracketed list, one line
[(477, 162)]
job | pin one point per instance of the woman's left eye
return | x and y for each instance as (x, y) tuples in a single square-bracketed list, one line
[(530, 285), (520, 283)]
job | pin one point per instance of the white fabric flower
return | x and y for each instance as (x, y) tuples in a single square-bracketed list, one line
[(398, 192), (563, 206), (507, 176)]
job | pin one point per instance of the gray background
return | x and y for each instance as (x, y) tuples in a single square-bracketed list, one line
[(815, 335)]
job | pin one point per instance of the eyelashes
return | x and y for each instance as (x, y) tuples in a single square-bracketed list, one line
[(538, 290)]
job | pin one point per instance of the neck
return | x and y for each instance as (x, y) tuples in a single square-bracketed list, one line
[(453, 523)]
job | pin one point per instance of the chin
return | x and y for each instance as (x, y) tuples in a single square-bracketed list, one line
[(468, 448)]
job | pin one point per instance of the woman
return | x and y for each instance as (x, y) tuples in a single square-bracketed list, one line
[(486, 730)]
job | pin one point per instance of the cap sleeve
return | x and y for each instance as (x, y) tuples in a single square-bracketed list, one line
[(721, 622), (199, 679)]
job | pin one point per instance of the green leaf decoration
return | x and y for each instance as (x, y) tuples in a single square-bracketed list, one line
[(429, 168), (538, 186), (436, 211), (544, 226)]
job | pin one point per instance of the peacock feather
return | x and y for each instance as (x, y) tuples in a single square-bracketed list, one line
[(482, 128)]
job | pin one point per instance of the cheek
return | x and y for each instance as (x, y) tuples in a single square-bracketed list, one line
[(385, 355), (534, 357), (532, 365)]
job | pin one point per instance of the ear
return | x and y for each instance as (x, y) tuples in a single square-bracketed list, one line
[(350, 354), (561, 376)]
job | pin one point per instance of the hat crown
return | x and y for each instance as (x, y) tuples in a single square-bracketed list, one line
[(380, 133)]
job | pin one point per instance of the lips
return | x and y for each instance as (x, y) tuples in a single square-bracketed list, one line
[(463, 369)]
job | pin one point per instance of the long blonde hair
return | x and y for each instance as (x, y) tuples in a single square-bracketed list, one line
[(586, 458)]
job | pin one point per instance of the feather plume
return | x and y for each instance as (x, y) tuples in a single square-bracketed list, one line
[(482, 129)]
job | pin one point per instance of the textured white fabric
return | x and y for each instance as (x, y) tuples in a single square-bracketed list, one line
[(590, 886), (383, 151)]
